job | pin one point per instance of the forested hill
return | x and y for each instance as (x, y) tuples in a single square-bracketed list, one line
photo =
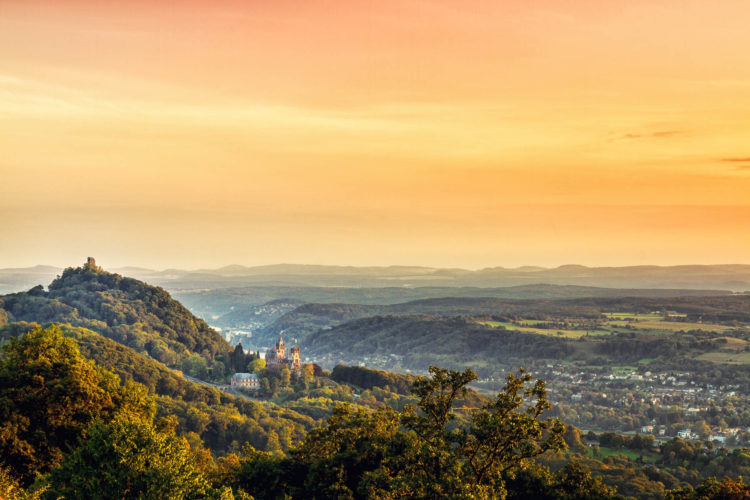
[(301, 322), (129, 311), (418, 341)]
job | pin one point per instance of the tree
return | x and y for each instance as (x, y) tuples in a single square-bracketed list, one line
[(129, 458), (422, 452), (195, 365), (256, 365), (712, 489), (306, 375), (503, 435), (49, 395), (702, 429), (11, 490), (238, 357), (285, 376), (575, 482), (218, 370)]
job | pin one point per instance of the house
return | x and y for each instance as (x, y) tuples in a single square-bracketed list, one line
[(686, 434), (246, 381)]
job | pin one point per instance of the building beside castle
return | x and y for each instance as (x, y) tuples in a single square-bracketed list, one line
[(246, 381), (276, 357)]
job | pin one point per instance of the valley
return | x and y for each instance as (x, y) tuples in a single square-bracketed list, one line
[(653, 367)]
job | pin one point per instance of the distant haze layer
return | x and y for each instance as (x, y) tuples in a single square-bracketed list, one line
[(346, 282)]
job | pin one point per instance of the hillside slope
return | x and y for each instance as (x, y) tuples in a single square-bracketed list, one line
[(126, 310)]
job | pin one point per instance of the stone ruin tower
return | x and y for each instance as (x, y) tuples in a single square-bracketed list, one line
[(91, 264)]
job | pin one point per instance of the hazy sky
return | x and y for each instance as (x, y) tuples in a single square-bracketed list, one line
[(452, 133)]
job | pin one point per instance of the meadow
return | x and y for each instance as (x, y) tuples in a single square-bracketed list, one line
[(613, 322)]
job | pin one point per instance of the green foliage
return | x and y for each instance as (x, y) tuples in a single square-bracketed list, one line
[(126, 310), (10, 489), (224, 422), (129, 458), (414, 453), (49, 395), (256, 365), (195, 365), (712, 489), (367, 378)]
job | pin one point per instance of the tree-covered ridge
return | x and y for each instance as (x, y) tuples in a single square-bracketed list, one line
[(486, 344), (305, 320), (400, 383), (368, 378), (218, 420), (71, 429), (421, 340), (49, 395), (423, 453), (129, 311)]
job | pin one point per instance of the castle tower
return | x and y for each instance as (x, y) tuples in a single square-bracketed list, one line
[(295, 358), (281, 348)]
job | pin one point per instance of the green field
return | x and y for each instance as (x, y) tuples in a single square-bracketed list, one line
[(573, 334), (616, 322), (731, 358), (656, 322), (624, 369), (648, 457), (670, 326), (622, 316)]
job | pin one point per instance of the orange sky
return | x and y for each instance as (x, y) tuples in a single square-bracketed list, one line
[(447, 133)]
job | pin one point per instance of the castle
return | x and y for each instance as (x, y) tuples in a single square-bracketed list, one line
[(276, 357)]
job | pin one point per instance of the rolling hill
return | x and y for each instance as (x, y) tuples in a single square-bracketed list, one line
[(126, 310)]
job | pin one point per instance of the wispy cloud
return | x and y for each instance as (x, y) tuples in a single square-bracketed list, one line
[(653, 135), (741, 163)]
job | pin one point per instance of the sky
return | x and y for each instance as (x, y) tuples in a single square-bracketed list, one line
[(452, 133)]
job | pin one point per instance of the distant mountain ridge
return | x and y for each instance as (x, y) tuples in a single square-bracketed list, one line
[(733, 277)]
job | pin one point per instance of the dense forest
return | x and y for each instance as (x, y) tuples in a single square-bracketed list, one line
[(105, 437), (126, 310), (301, 322)]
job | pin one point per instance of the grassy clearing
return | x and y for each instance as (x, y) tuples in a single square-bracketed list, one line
[(648, 456), (670, 326), (554, 332), (730, 358), (634, 316), (624, 369)]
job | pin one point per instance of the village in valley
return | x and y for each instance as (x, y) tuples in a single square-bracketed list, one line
[(631, 400)]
